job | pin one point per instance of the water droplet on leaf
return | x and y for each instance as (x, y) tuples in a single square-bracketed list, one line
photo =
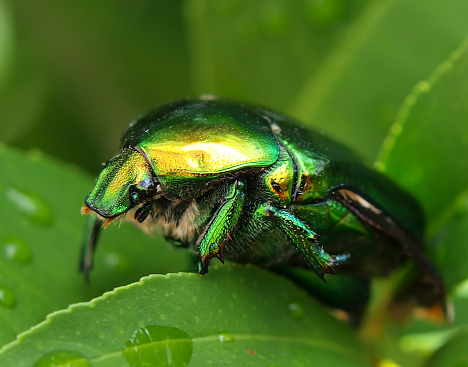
[(296, 310), (7, 297), (16, 249), (156, 345), (117, 262), (30, 205), (62, 358), (225, 337)]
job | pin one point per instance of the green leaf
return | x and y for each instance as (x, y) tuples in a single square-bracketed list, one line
[(450, 243), (426, 151), (357, 90), (452, 354), (427, 148), (40, 237), (239, 315)]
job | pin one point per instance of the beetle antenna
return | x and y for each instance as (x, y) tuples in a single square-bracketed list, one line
[(93, 228)]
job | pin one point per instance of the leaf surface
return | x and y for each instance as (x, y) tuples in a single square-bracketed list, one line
[(239, 315), (426, 151), (40, 238)]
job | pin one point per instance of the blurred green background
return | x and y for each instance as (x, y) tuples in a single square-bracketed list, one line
[(74, 74)]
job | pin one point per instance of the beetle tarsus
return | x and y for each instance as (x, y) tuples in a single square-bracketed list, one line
[(201, 269), (220, 253), (339, 260)]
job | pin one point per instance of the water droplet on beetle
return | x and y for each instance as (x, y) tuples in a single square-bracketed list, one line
[(30, 205), (156, 345), (15, 249), (296, 310), (62, 358), (7, 297), (224, 337)]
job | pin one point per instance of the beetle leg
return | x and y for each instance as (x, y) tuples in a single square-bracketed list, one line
[(305, 241), (222, 224), (142, 213), (91, 234)]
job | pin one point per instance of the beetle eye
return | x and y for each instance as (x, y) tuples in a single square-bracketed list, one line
[(143, 191), (146, 184)]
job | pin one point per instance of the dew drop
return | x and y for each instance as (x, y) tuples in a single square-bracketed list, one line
[(224, 337), (156, 345), (62, 358), (296, 310), (117, 262), (31, 206), (15, 249), (7, 297)]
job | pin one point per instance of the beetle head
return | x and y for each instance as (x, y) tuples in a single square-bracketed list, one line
[(125, 182)]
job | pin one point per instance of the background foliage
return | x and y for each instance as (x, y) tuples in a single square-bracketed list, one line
[(386, 76)]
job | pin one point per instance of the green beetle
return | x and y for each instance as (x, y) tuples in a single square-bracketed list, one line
[(237, 181)]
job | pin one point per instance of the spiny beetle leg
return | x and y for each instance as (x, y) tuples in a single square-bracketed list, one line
[(216, 251), (305, 241), (221, 225)]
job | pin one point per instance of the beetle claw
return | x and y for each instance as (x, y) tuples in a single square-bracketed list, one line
[(335, 260), (220, 254), (330, 270), (202, 266)]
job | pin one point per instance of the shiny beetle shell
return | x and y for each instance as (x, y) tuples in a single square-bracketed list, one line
[(229, 179)]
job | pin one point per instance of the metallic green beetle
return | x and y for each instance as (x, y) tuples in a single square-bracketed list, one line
[(237, 181)]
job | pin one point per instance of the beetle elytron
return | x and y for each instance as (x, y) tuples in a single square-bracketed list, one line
[(237, 181)]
